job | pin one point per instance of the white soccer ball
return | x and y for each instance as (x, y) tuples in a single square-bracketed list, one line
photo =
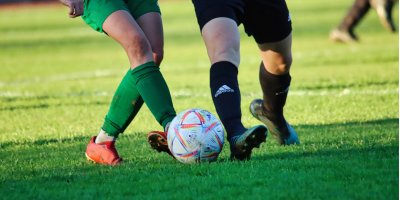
[(195, 135)]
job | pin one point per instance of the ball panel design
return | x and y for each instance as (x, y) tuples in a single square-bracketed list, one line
[(195, 135)]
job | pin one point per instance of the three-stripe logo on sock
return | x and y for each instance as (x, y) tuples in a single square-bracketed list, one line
[(223, 89)]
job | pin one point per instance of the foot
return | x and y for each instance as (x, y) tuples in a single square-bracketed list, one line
[(288, 138), (242, 145), (343, 36), (103, 153), (158, 141), (384, 10)]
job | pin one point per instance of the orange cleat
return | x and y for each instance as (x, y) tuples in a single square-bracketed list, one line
[(103, 153), (158, 141)]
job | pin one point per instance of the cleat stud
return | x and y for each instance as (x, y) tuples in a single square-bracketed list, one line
[(245, 144), (253, 136), (158, 144), (159, 138)]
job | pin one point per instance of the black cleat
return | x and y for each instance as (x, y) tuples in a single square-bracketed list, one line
[(242, 145), (256, 109)]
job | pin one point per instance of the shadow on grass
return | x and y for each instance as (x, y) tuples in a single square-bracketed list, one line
[(4, 145), (328, 130), (63, 167), (43, 106), (335, 86), (350, 124)]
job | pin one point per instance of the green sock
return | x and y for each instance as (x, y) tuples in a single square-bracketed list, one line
[(144, 83), (125, 104), (154, 90)]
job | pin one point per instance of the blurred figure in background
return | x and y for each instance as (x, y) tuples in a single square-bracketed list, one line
[(345, 31)]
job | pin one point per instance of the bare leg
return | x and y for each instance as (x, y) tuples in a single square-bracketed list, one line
[(151, 25), (384, 10), (121, 26), (222, 40)]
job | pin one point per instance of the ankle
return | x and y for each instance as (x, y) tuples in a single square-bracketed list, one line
[(104, 137)]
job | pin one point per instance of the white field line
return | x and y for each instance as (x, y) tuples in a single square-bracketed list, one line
[(64, 77), (183, 93), (91, 74), (250, 60)]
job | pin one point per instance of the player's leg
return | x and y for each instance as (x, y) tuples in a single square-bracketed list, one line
[(151, 24), (275, 48), (143, 82), (144, 75), (345, 31), (384, 10), (275, 81), (218, 26)]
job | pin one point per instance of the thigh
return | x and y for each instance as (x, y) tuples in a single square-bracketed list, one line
[(121, 26), (151, 25), (97, 11), (141, 7), (267, 21), (222, 40)]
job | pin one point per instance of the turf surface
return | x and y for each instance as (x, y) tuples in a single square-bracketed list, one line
[(58, 77)]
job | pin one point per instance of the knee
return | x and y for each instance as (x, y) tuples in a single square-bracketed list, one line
[(284, 67), (138, 48), (278, 65), (158, 55)]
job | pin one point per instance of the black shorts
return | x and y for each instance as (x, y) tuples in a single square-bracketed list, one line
[(265, 20)]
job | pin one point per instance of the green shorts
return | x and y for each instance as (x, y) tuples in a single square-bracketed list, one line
[(97, 11)]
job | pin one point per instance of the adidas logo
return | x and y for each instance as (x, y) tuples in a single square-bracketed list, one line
[(223, 89)]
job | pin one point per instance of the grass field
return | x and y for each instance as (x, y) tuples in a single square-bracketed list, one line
[(58, 77)]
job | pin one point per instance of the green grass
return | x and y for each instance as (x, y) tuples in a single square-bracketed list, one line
[(58, 77)]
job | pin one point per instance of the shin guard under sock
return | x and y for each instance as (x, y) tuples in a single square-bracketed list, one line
[(275, 89), (226, 96), (125, 104), (145, 83), (154, 90)]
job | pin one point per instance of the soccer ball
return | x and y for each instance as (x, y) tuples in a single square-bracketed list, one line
[(195, 136)]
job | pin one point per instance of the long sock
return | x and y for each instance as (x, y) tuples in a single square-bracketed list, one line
[(144, 83), (226, 96), (275, 89), (154, 90), (355, 14), (125, 104)]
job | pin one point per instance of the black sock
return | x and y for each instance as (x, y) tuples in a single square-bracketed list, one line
[(355, 14), (275, 89), (226, 96)]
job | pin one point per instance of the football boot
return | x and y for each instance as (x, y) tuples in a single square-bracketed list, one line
[(158, 141), (242, 145), (103, 153), (256, 109), (337, 35)]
